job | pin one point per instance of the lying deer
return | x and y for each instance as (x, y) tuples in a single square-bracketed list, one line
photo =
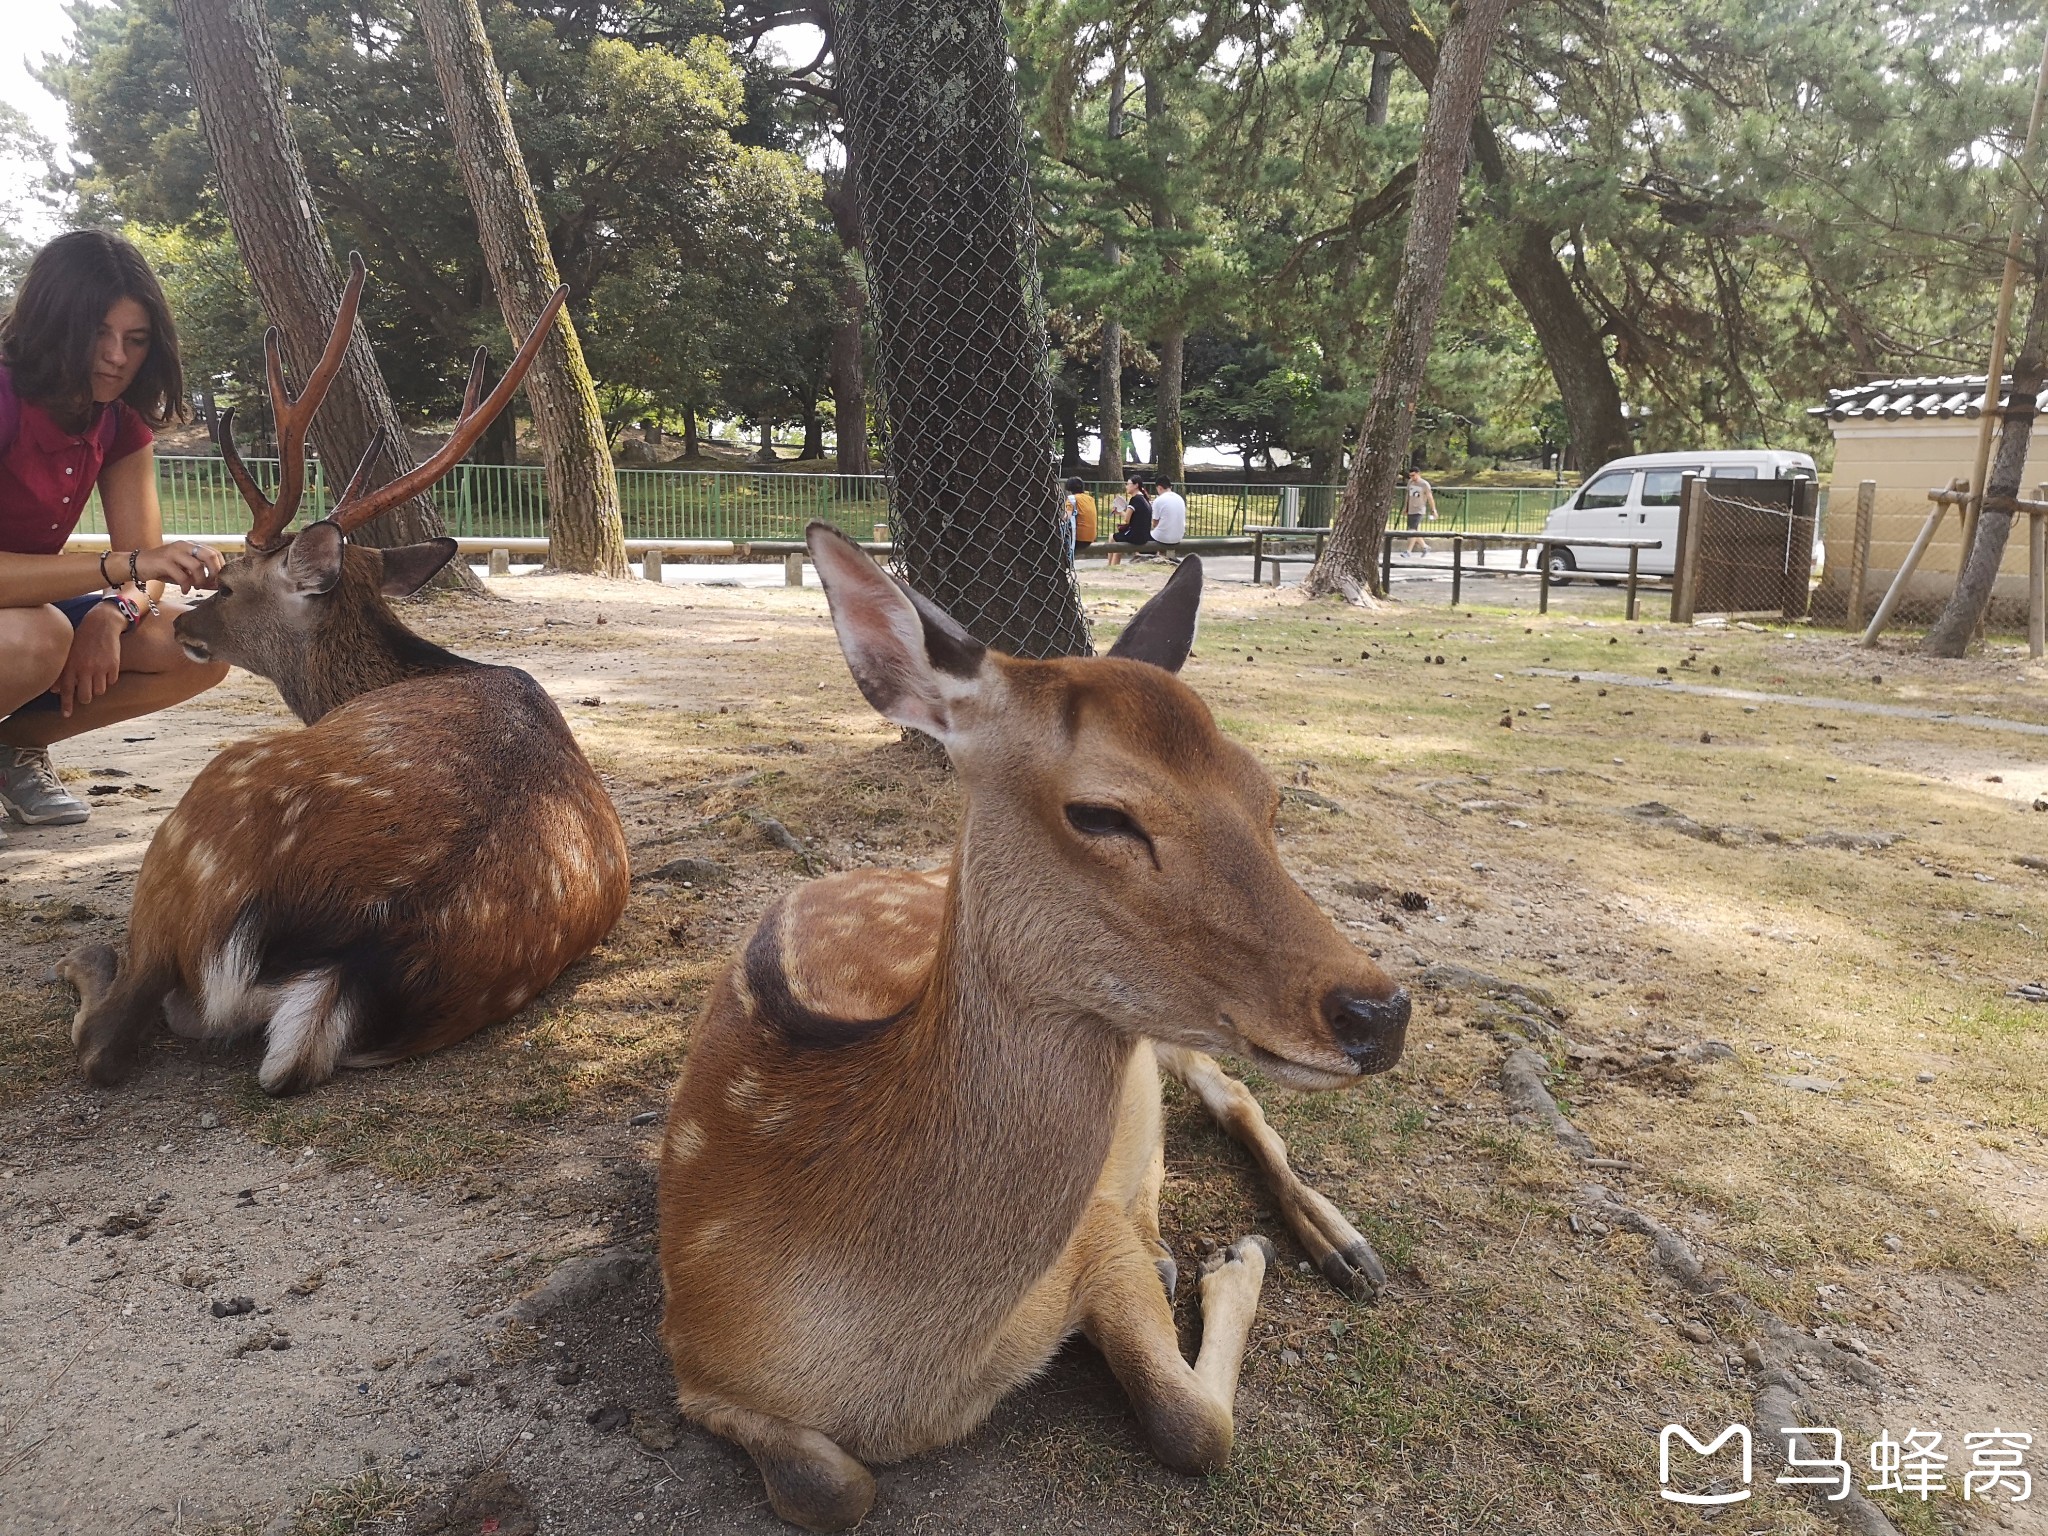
[(918, 1140), (418, 862)]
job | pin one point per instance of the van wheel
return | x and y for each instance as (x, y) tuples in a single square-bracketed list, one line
[(1561, 567)]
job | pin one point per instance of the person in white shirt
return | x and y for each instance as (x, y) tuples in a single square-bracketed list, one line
[(1169, 515), (1421, 499)]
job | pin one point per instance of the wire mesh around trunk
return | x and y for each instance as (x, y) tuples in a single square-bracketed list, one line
[(936, 154)]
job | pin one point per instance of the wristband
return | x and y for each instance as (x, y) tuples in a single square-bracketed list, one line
[(131, 615)]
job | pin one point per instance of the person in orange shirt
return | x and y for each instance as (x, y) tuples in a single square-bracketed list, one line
[(1081, 516)]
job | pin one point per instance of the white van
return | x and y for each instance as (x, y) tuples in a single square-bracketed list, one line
[(1637, 498)]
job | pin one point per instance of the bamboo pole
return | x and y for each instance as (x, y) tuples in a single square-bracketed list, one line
[(1957, 494), (1994, 374)]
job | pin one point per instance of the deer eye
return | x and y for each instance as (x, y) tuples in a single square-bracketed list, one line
[(1103, 821)]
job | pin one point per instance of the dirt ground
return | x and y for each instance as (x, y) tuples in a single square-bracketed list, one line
[(1765, 941)]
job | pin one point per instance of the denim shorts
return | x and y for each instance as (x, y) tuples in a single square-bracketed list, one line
[(75, 609)]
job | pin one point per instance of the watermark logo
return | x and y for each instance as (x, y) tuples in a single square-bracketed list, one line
[(1916, 1467), (1739, 1433)]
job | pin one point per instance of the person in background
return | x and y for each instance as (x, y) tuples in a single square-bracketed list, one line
[(1420, 499), (1137, 524), (88, 364), (1169, 514), (1081, 509)]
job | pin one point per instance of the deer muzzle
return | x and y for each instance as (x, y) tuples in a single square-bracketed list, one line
[(1370, 1030)]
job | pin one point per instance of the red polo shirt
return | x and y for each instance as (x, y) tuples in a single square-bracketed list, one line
[(47, 473)]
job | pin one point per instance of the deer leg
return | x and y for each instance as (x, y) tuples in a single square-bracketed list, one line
[(811, 1481), (1337, 1248), (308, 1028), (1145, 1211), (1186, 1409), (116, 1010)]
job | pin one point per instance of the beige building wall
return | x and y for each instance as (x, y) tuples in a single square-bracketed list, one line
[(1907, 458)]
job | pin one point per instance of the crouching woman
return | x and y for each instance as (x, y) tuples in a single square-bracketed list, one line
[(88, 364)]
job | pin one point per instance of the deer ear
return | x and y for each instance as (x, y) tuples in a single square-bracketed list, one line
[(313, 562), (1164, 630), (411, 566), (911, 660)]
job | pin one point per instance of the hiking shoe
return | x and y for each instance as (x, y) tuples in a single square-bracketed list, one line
[(32, 792)]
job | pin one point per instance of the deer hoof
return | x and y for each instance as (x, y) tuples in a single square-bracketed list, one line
[(1355, 1270), (1239, 1251), (1169, 1272), (90, 968)]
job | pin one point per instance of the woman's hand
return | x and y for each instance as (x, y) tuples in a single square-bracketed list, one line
[(94, 664), (183, 564)]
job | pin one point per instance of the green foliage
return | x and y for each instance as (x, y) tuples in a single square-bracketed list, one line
[(1752, 204), (22, 151), (1748, 204), (630, 118)]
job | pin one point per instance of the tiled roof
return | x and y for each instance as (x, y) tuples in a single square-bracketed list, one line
[(1954, 395)]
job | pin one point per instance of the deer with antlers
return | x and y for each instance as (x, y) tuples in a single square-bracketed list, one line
[(417, 863), (918, 1143)]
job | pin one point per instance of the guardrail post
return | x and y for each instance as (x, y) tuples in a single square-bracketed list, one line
[(650, 566), (793, 570), (501, 562)]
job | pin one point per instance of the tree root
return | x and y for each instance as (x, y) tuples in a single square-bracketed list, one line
[(1781, 1407), (1521, 1080)]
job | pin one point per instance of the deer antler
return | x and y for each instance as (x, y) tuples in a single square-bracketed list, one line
[(358, 506), (294, 416)]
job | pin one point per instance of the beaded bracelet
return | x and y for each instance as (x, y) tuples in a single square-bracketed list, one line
[(106, 580)]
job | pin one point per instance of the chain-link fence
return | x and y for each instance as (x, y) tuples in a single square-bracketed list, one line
[(936, 159), (1747, 548), (1868, 535)]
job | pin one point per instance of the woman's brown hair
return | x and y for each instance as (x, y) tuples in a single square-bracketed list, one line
[(47, 338)]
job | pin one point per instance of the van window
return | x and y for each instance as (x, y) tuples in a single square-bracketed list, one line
[(1661, 486), (1735, 472), (1608, 490)]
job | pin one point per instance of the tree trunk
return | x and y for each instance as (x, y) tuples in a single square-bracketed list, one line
[(238, 87), (850, 388), (1166, 441), (1571, 346), (500, 442), (1570, 341), (1109, 380), (1350, 559), (1172, 347), (1067, 409), (814, 435), (1380, 88), (691, 448), (585, 531), (936, 156), (1970, 601), (848, 367)]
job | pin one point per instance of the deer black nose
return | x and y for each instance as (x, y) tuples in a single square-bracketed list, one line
[(1370, 1029)]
